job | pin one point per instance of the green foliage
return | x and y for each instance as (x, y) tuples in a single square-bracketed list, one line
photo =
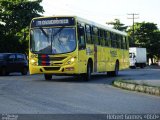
[(2, 28), (146, 35), (117, 25), (155, 44), (17, 14)]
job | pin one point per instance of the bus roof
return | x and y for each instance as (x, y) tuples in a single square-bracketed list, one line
[(90, 23), (101, 26)]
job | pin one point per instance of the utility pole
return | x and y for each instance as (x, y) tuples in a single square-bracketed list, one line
[(134, 16)]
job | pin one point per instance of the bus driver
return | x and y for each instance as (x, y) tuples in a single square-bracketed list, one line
[(64, 42)]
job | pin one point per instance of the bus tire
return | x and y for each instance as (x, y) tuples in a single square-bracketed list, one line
[(115, 72), (87, 76), (109, 73), (48, 76), (116, 69)]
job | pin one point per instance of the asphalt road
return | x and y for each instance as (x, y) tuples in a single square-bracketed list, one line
[(31, 94)]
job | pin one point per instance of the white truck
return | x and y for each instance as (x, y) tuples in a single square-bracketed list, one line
[(138, 57)]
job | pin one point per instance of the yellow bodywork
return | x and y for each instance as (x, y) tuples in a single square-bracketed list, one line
[(57, 64), (104, 59), (76, 62)]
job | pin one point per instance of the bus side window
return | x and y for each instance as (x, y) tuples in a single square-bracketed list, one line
[(114, 40), (81, 38), (99, 36), (121, 39), (124, 43), (95, 35), (103, 38), (112, 36), (88, 34), (127, 45), (108, 39)]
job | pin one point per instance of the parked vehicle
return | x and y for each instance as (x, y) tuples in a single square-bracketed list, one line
[(138, 57), (13, 62)]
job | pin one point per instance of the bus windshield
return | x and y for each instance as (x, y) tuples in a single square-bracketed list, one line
[(53, 40)]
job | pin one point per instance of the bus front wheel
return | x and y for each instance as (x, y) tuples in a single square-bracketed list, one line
[(47, 76), (87, 76)]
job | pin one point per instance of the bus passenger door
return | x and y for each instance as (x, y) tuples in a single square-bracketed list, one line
[(81, 50)]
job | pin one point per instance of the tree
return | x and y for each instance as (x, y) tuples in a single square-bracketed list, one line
[(146, 35), (2, 28), (17, 14), (155, 44), (117, 25)]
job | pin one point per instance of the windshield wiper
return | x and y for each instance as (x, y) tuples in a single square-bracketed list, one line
[(44, 32)]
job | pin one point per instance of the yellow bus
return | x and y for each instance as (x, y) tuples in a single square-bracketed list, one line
[(70, 45)]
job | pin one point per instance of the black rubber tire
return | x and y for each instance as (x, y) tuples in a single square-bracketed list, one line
[(48, 76), (4, 71), (142, 65), (133, 67), (110, 73), (116, 69), (24, 71), (87, 76), (115, 72)]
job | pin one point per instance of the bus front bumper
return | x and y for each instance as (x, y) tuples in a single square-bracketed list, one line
[(66, 69)]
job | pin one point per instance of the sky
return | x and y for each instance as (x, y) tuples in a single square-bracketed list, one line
[(102, 11)]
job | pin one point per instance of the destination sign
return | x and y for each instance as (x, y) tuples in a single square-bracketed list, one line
[(54, 21)]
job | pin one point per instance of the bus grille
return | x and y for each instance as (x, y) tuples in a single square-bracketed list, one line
[(51, 68), (46, 60), (57, 58)]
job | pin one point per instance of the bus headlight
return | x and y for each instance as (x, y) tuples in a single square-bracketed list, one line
[(33, 62), (72, 60)]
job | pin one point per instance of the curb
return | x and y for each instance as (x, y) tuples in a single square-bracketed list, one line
[(137, 87)]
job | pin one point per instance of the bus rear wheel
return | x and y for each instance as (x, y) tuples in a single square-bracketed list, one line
[(116, 70), (48, 76)]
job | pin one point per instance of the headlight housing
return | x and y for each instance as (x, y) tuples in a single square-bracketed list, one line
[(71, 60), (33, 62)]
